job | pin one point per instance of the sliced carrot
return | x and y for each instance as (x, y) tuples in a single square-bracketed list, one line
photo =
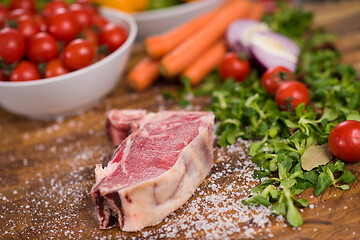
[(204, 64), (180, 58), (143, 74), (256, 11), (159, 45)]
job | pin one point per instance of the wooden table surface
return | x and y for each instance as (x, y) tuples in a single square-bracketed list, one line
[(46, 171)]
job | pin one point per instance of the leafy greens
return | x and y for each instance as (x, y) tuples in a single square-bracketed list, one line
[(246, 111)]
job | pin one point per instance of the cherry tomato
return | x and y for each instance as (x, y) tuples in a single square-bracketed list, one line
[(52, 7), (290, 94), (16, 13), (12, 45), (344, 141), (83, 15), (63, 26), (4, 12), (93, 8), (113, 36), (28, 26), (41, 22), (55, 68), (271, 79), (99, 21), (23, 4), (91, 36), (232, 66), (42, 48), (79, 53), (25, 71)]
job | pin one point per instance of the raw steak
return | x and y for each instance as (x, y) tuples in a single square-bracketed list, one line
[(154, 170)]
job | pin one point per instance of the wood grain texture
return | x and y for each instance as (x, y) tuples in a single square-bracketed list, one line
[(46, 171)]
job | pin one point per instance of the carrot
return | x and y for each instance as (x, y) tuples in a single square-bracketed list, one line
[(178, 59), (256, 11), (159, 45), (204, 64), (143, 74)]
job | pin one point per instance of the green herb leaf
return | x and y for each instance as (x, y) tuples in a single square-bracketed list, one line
[(339, 166), (258, 174), (284, 165), (288, 182), (345, 187), (347, 176), (279, 208), (330, 115), (301, 202), (263, 201), (292, 215), (300, 110), (323, 182), (311, 176), (353, 116)]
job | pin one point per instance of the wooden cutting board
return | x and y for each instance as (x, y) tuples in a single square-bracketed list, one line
[(46, 171)]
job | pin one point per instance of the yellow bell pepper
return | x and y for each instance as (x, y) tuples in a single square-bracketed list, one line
[(125, 5)]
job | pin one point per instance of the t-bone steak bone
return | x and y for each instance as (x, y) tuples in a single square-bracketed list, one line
[(120, 123), (155, 170)]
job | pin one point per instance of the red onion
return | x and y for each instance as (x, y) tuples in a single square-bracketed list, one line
[(271, 49), (240, 33)]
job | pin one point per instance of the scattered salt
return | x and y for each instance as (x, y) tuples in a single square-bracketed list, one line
[(26, 136)]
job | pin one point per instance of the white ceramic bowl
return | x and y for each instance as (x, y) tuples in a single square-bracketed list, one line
[(158, 21), (74, 92)]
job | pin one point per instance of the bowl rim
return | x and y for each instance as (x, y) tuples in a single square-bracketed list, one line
[(133, 29), (174, 10)]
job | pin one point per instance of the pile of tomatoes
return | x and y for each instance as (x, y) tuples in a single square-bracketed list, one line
[(56, 40), (278, 81)]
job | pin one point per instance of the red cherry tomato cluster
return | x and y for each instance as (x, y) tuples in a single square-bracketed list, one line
[(289, 93), (60, 39)]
